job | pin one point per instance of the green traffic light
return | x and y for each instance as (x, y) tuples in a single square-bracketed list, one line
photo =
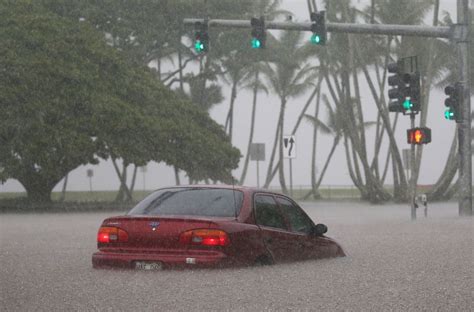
[(407, 105), (315, 39), (198, 46), (449, 114), (256, 44)]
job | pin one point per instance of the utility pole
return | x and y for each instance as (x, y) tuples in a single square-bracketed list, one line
[(412, 177), (457, 33), (464, 128)]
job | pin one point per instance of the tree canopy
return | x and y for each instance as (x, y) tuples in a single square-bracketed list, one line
[(67, 98)]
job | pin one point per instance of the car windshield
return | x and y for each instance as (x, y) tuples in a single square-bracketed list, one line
[(191, 201)]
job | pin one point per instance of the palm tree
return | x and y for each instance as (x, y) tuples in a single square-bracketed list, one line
[(289, 75), (256, 86), (335, 126)]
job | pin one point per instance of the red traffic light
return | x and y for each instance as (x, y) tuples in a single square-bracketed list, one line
[(419, 135)]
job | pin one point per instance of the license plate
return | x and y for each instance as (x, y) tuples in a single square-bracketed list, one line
[(148, 266)]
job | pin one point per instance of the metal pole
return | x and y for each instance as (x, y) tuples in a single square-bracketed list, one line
[(258, 174), (464, 128), (412, 177), (393, 30), (291, 177)]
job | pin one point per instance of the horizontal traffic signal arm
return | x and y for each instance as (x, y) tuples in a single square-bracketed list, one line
[(451, 32)]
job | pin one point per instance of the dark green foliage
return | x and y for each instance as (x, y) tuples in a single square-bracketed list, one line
[(67, 98)]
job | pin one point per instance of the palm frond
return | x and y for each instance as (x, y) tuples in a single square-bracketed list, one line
[(318, 123)]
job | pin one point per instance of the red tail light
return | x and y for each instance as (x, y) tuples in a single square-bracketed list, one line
[(110, 234), (205, 237)]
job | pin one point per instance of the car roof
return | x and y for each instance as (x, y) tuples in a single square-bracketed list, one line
[(249, 189)]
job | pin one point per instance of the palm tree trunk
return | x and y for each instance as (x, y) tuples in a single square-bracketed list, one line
[(452, 164), (393, 143), (328, 160), (270, 174), (380, 132), (357, 182), (314, 191), (252, 128), (386, 120), (280, 150), (313, 150), (308, 102), (230, 115)]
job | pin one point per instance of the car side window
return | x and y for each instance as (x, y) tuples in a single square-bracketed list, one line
[(267, 212), (299, 221)]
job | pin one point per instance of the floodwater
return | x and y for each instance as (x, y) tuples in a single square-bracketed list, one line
[(392, 264)]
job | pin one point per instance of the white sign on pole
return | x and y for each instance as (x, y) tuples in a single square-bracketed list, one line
[(289, 146)]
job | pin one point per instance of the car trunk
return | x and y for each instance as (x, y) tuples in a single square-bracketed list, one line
[(148, 233)]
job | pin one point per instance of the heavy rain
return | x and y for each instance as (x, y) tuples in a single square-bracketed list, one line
[(392, 264), (263, 119)]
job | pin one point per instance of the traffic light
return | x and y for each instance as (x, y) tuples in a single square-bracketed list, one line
[(396, 93), (405, 92), (259, 36), (201, 37), (419, 135), (412, 92), (453, 102), (318, 27)]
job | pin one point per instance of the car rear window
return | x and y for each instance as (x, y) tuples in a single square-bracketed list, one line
[(191, 201)]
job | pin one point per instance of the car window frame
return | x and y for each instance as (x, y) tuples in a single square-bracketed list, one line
[(277, 206), (153, 196), (287, 217)]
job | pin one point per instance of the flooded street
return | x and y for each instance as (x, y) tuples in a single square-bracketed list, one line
[(392, 264)]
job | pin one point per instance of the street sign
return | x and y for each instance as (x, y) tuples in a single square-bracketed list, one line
[(257, 151), (289, 146)]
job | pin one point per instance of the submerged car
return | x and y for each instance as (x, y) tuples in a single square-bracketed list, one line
[(211, 226)]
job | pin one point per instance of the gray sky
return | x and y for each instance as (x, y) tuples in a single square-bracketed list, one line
[(434, 155)]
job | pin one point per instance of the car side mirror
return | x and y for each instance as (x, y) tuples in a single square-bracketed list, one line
[(319, 229)]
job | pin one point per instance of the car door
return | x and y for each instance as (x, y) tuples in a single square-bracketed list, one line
[(276, 236), (309, 246)]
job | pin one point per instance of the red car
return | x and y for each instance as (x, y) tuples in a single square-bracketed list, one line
[(211, 226)]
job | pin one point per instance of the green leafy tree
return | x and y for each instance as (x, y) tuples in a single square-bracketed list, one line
[(67, 99), (47, 91), (150, 32)]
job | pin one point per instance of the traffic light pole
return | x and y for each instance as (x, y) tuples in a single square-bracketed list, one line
[(457, 33), (412, 176), (464, 128)]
